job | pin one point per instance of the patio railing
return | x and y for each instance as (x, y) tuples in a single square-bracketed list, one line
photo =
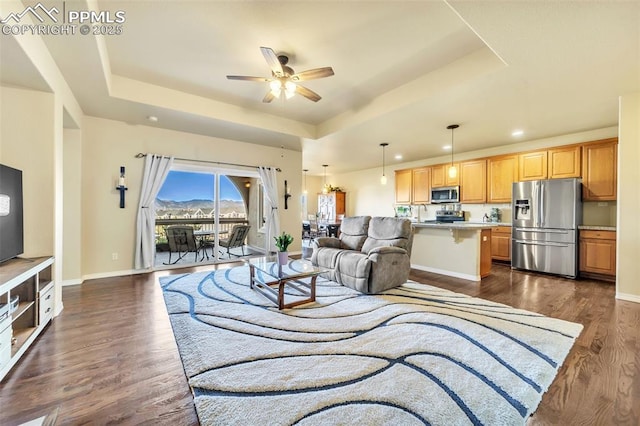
[(199, 224)]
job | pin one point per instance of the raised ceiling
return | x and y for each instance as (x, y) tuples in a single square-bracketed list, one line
[(403, 72)]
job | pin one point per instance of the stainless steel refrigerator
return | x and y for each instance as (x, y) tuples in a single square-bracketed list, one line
[(546, 215)]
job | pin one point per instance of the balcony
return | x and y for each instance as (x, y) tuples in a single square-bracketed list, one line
[(225, 225)]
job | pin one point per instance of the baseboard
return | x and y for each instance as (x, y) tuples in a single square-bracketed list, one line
[(628, 297), (71, 282), (447, 273), (114, 274)]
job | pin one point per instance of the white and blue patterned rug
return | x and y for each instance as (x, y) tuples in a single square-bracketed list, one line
[(411, 356)]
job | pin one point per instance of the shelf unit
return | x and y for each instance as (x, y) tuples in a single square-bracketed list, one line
[(30, 280)]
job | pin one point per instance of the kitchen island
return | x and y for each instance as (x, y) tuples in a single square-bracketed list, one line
[(459, 249)]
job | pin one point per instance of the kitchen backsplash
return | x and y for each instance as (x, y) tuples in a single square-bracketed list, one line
[(599, 213), (593, 213)]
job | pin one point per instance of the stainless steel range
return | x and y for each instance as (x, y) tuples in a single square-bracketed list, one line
[(447, 216)]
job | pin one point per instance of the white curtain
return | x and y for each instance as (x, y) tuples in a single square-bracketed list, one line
[(272, 225), (156, 169)]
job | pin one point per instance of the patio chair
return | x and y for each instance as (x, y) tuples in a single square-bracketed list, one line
[(236, 239), (181, 241)]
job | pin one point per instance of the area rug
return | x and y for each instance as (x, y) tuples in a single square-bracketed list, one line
[(414, 355)]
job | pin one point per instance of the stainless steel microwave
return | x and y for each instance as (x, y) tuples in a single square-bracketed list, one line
[(446, 194)]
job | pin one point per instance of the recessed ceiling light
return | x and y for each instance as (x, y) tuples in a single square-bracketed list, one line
[(398, 157), (517, 133), (447, 147), (152, 118)]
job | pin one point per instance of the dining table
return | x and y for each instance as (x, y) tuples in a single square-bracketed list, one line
[(202, 235)]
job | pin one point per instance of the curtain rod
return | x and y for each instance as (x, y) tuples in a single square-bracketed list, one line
[(141, 155)]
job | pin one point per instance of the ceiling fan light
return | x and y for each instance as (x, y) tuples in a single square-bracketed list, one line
[(289, 93), (275, 86)]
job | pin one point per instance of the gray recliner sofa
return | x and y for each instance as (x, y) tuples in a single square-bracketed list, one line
[(371, 255)]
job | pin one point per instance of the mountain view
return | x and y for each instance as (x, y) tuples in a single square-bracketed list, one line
[(180, 208)]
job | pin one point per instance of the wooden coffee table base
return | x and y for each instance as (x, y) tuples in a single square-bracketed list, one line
[(274, 290)]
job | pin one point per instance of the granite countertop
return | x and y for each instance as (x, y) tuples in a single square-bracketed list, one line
[(597, 228), (455, 225)]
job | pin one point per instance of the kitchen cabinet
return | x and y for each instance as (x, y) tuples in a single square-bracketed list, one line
[(564, 162), (331, 205), (26, 306), (599, 170), (532, 165), (501, 243), (421, 185), (485, 253), (598, 254), (473, 181), (403, 186), (440, 175), (502, 171)]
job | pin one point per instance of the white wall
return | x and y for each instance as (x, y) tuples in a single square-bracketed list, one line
[(27, 143), (628, 236), (107, 145), (72, 221)]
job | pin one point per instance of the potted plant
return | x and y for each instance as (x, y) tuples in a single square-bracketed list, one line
[(282, 242)]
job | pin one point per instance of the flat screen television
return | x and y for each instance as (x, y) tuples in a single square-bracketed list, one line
[(11, 226)]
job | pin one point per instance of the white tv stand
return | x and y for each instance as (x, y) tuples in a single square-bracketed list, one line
[(30, 280)]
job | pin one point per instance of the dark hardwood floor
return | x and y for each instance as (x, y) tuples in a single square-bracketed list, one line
[(110, 357)]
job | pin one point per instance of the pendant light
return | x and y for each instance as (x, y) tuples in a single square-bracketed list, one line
[(383, 179), (305, 180), (453, 172), (325, 189)]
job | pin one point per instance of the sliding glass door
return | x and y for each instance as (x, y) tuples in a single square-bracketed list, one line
[(205, 215)]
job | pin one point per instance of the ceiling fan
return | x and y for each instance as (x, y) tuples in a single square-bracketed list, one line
[(284, 79)]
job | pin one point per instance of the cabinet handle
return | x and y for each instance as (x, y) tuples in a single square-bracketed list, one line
[(47, 311), (48, 297)]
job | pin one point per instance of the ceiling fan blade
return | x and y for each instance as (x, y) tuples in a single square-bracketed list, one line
[(307, 93), (268, 97), (313, 74), (248, 78), (272, 60)]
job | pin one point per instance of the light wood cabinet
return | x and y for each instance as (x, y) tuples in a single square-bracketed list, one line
[(421, 185), (26, 306), (331, 205), (596, 162), (532, 165), (485, 253), (599, 170), (473, 181), (598, 254), (564, 162), (501, 243), (403, 186), (502, 171), (413, 186), (440, 175)]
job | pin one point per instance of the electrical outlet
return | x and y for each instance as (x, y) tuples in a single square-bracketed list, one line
[(114, 256)]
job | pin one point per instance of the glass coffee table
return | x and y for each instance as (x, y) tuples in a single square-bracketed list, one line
[(271, 279)]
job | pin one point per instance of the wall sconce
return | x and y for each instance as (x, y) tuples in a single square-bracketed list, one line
[(287, 195), (121, 187)]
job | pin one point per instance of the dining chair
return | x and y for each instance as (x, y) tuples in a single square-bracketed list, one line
[(236, 239), (181, 241)]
